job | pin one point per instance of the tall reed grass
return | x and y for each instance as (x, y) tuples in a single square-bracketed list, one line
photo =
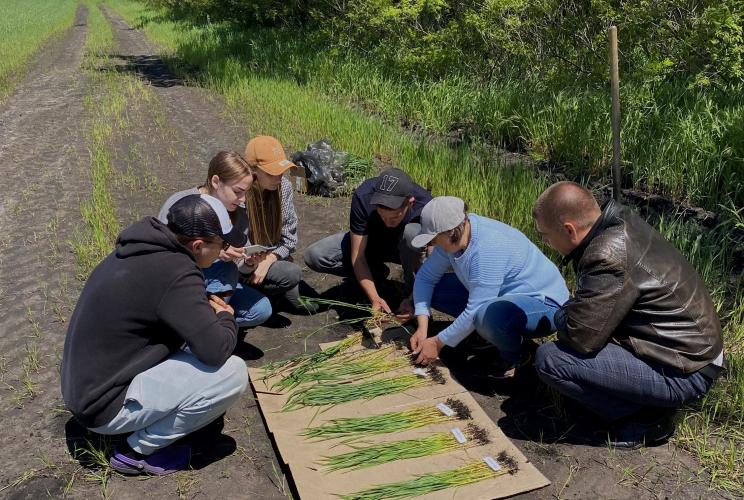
[(24, 26)]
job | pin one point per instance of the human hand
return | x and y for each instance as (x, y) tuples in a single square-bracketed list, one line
[(405, 310), (262, 269), (220, 305), (428, 350), (416, 339), (231, 254), (379, 304)]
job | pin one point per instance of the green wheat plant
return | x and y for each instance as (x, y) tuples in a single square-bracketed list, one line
[(338, 393), (422, 484), (304, 363), (352, 365), (381, 453), (385, 423)]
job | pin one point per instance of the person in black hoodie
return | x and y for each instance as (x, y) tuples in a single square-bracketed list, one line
[(147, 351)]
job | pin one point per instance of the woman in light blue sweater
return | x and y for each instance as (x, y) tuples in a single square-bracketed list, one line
[(503, 286)]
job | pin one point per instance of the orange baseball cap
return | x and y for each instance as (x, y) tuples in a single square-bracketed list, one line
[(267, 153)]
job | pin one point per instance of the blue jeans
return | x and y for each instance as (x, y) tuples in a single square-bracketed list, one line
[(614, 383), (505, 322), (174, 398), (251, 306)]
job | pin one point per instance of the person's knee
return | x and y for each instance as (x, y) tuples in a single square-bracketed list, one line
[(542, 357), (313, 257), (235, 376), (293, 275), (549, 361), (258, 313), (499, 318), (262, 311)]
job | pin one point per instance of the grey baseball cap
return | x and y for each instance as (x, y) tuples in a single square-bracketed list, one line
[(439, 215)]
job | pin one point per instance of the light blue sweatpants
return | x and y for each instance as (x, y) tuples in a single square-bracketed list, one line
[(175, 398)]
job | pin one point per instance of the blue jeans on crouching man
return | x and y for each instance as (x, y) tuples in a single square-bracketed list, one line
[(251, 307), (614, 382), (505, 322), (175, 398)]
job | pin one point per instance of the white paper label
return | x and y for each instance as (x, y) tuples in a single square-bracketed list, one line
[(419, 371), (446, 410), (459, 435), (493, 464)]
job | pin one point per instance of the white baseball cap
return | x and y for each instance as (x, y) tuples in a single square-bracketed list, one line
[(201, 215)]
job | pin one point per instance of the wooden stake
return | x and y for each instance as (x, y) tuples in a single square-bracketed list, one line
[(615, 88)]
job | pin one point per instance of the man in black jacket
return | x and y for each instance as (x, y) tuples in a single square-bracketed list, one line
[(147, 352), (641, 332)]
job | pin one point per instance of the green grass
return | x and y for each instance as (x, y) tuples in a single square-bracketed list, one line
[(100, 38), (104, 106), (24, 26), (684, 142), (680, 141)]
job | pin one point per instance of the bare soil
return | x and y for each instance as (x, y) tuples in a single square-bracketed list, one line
[(172, 131)]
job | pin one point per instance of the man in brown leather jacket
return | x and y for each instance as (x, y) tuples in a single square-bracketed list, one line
[(640, 337)]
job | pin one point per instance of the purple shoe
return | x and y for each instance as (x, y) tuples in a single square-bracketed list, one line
[(163, 462)]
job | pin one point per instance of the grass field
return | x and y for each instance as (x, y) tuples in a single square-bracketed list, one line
[(683, 142), (24, 26)]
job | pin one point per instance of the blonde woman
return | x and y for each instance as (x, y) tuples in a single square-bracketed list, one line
[(272, 223), (228, 179)]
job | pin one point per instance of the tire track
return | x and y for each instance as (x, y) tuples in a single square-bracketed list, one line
[(42, 157)]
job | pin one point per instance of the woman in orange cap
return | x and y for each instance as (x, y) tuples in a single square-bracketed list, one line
[(272, 223)]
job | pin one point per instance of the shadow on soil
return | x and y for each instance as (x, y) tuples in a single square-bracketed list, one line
[(208, 444), (151, 68), (531, 412)]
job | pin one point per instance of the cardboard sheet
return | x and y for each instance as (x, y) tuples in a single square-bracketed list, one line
[(314, 481), (303, 456)]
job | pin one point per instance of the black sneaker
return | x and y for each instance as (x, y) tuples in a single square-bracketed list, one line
[(650, 427), (475, 344), (510, 371)]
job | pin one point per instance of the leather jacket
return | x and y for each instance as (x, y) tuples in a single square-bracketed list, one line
[(635, 289)]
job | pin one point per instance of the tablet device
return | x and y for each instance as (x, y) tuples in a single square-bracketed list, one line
[(253, 249)]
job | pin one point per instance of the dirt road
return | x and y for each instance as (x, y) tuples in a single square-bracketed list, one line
[(164, 135)]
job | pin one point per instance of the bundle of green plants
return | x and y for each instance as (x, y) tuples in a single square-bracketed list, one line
[(355, 364), (381, 453), (338, 393), (385, 423), (473, 472), (371, 318), (306, 362)]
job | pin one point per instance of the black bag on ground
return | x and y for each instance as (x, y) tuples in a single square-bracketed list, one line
[(324, 168)]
